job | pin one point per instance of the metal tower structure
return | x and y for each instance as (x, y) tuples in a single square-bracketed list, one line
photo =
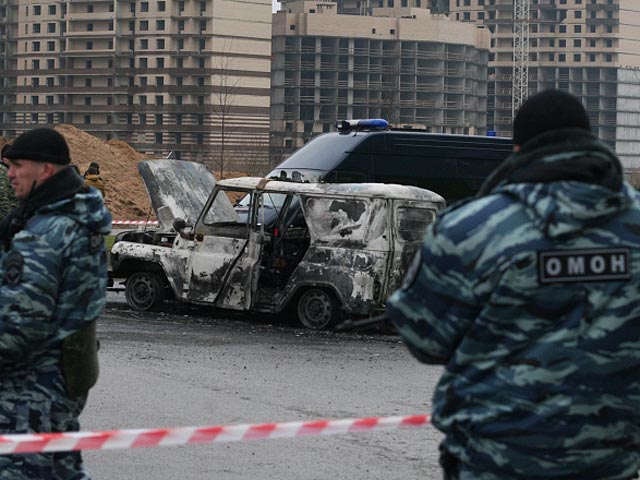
[(520, 79)]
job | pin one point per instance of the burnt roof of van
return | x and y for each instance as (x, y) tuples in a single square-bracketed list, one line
[(383, 190)]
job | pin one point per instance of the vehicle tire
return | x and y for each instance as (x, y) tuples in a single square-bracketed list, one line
[(145, 291), (317, 309)]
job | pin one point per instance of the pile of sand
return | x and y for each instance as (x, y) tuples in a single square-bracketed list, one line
[(125, 194)]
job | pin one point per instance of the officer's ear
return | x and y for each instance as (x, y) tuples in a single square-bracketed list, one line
[(49, 170)]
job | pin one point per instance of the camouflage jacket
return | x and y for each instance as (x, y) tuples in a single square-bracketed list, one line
[(529, 297), (53, 274)]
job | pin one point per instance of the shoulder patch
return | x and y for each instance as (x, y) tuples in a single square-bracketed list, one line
[(595, 265), (13, 267)]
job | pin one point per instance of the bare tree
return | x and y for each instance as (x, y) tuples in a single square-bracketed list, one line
[(226, 84)]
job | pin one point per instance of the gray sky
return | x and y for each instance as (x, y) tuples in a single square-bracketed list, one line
[(274, 7)]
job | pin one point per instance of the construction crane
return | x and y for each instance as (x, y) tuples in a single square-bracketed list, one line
[(520, 77)]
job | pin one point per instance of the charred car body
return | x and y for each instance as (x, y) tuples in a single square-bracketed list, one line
[(332, 249)]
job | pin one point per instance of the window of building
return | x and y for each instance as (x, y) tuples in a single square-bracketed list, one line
[(52, 9), (180, 25), (89, 27), (132, 25), (180, 44), (159, 24), (51, 63), (90, 8), (562, 43), (89, 45), (159, 81), (87, 119), (143, 81), (181, 6), (159, 119), (36, 28), (577, 28), (49, 99), (144, 25), (178, 137), (51, 46), (35, 64), (110, 44), (577, 57), (144, 44), (143, 62), (87, 100), (51, 28), (178, 119), (159, 100), (162, 6), (158, 138), (179, 81), (292, 27), (35, 82), (178, 99), (577, 43), (160, 43), (159, 62), (180, 63), (35, 46), (34, 100), (203, 7), (144, 6), (578, 14), (203, 25), (87, 82), (200, 81), (143, 99), (201, 62), (37, 9), (34, 118)]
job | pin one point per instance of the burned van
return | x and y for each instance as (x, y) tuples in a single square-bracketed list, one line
[(332, 250)]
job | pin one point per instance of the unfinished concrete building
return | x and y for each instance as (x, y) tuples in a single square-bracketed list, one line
[(189, 77), (347, 59), (589, 48)]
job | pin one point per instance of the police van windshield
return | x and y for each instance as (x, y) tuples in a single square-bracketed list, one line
[(324, 152)]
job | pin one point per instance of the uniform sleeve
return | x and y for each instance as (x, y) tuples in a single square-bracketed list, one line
[(435, 306), (28, 289)]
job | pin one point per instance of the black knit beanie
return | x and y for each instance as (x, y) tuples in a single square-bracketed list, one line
[(40, 145), (548, 110)]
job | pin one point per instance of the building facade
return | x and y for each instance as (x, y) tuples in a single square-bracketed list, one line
[(344, 60), (590, 48), (187, 78)]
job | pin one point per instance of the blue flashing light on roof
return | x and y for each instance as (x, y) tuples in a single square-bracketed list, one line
[(345, 126), (491, 133)]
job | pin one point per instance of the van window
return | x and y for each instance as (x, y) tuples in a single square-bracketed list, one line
[(338, 222), (412, 223)]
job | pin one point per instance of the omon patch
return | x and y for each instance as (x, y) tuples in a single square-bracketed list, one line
[(601, 265)]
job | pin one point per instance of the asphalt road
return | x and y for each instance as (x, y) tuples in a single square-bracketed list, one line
[(192, 368)]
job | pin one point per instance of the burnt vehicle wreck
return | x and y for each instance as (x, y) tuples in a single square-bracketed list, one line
[(320, 250)]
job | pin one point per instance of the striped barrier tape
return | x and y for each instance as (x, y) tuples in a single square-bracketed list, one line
[(119, 439), (134, 222)]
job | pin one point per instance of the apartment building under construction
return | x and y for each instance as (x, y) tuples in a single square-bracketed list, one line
[(351, 59), (590, 48), (184, 76)]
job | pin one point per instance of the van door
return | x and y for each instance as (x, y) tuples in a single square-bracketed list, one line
[(223, 266), (411, 220)]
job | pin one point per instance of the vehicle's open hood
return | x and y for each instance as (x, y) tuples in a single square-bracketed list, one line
[(179, 188)]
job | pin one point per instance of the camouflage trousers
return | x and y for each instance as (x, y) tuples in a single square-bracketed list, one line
[(39, 404)]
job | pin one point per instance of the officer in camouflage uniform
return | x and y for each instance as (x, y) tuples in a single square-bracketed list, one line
[(529, 295), (53, 279)]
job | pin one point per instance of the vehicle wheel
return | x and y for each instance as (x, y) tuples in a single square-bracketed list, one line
[(144, 291), (317, 309)]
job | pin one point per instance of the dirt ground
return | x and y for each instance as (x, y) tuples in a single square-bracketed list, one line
[(125, 194)]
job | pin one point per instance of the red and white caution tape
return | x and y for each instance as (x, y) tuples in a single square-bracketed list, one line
[(134, 222), (65, 442)]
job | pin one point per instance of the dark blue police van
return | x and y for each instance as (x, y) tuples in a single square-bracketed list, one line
[(453, 166)]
